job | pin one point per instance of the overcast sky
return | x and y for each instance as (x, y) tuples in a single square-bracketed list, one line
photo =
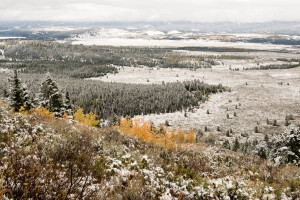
[(151, 10)]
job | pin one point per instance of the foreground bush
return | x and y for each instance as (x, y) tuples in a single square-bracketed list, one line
[(88, 119), (147, 132), (53, 159), (283, 148)]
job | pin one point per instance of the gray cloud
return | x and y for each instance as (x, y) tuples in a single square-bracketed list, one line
[(146, 10)]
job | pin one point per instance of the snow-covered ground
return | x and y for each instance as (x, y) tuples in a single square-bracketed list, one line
[(262, 98), (5, 38), (154, 38), (176, 43), (57, 28), (5, 70)]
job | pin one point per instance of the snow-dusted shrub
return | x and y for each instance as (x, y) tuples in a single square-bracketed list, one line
[(229, 188), (262, 149), (285, 147)]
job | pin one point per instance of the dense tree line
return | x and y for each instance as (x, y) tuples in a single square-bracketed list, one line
[(274, 41), (49, 96), (67, 68), (274, 66), (218, 49), (100, 55), (118, 99), (109, 99)]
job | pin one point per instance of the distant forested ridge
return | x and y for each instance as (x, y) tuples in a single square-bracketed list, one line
[(104, 55)]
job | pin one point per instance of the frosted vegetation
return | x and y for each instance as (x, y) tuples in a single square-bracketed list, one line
[(108, 100), (78, 162), (65, 134)]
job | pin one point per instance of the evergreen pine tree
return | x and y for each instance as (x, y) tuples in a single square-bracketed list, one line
[(45, 92), (16, 94), (261, 150), (50, 96), (227, 133), (68, 104), (266, 138), (205, 128), (286, 123), (236, 145), (226, 144), (27, 103), (56, 102)]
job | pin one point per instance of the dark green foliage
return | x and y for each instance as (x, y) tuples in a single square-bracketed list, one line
[(227, 133), (50, 96), (205, 128), (226, 144), (216, 49), (289, 117), (68, 68), (255, 142), (283, 41), (244, 135), (256, 129), (286, 122), (246, 147), (16, 92), (197, 85), (274, 66), (261, 150), (68, 104), (99, 58), (284, 148), (266, 138), (236, 145), (26, 98), (99, 168), (199, 135), (167, 123), (108, 99), (56, 102), (275, 122)]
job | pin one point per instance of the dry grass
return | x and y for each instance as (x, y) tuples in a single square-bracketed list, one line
[(149, 133)]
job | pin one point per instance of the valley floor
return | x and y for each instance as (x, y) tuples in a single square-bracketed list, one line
[(256, 95)]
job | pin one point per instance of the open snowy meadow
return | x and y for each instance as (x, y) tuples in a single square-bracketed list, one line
[(256, 95)]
